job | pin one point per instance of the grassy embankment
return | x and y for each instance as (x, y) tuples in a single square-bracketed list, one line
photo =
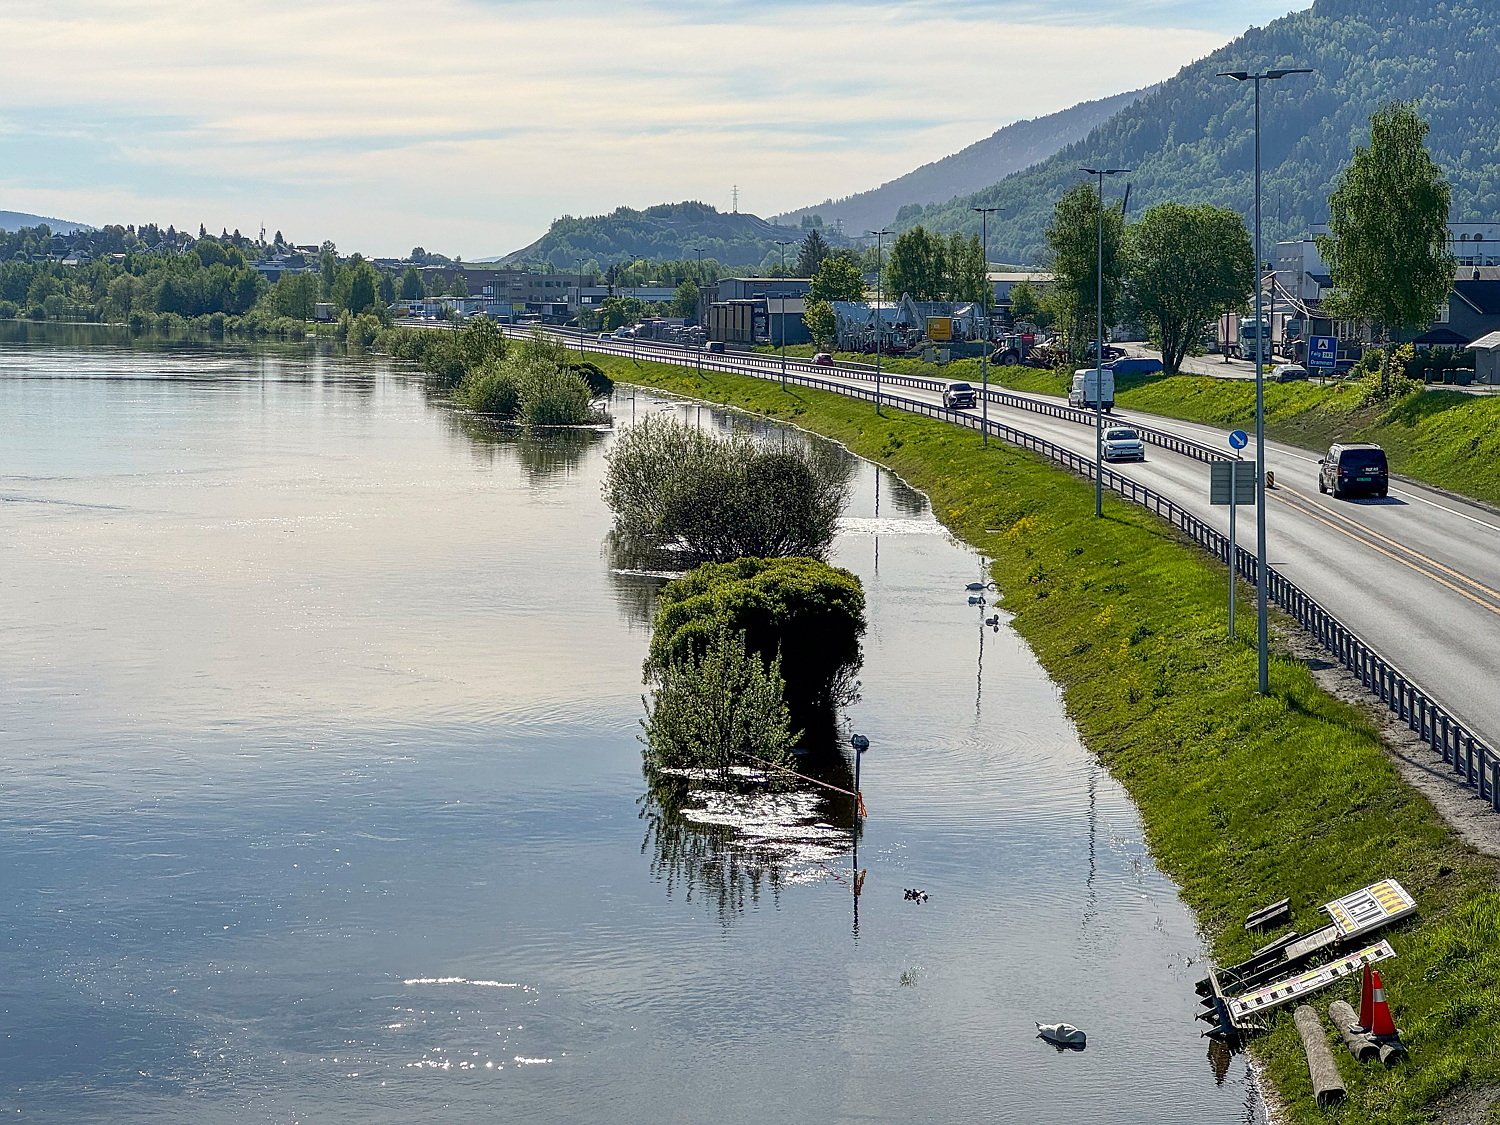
[(1245, 799), (1446, 438)]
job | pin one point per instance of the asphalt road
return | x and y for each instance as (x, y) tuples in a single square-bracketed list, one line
[(1416, 574)]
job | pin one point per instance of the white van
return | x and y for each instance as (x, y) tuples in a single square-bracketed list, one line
[(1090, 386)]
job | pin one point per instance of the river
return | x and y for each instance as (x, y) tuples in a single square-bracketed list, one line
[(321, 797)]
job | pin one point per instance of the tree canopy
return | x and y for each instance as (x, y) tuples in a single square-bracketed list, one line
[(1073, 239)]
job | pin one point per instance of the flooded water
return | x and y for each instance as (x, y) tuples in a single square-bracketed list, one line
[(321, 798)]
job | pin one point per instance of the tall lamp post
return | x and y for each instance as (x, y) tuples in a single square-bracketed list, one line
[(984, 356), (879, 324), (698, 250), (782, 279), (1099, 348), (579, 263), (1261, 585)]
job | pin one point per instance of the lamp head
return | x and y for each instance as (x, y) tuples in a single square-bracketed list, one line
[(1289, 70)]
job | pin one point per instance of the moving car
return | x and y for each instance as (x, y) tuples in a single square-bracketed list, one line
[(1123, 444), (1093, 387), (823, 359), (959, 395), (1287, 372), (1354, 468)]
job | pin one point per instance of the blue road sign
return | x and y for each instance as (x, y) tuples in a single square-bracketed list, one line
[(1323, 352), (1239, 439)]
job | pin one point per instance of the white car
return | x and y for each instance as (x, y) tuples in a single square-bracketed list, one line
[(1122, 444), (1288, 372)]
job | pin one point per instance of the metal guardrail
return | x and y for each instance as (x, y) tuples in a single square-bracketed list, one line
[(1470, 760)]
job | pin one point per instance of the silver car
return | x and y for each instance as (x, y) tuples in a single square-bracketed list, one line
[(1123, 444)]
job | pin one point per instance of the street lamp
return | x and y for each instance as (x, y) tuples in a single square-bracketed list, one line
[(782, 279), (579, 263), (984, 356), (879, 327), (1261, 584), (698, 305), (1099, 349)]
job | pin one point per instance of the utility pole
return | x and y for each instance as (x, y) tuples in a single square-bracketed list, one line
[(984, 356), (879, 324), (1262, 639), (782, 279), (1099, 349)]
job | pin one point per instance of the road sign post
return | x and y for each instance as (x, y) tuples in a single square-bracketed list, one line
[(1233, 483), (1322, 354)]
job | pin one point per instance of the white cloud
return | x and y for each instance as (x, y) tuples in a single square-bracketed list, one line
[(470, 125)]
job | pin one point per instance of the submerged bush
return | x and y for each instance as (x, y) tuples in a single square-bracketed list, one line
[(716, 707), (705, 498), (533, 384), (490, 390), (805, 613)]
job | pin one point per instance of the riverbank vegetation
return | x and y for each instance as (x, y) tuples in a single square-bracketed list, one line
[(534, 382), (691, 497), (1244, 798)]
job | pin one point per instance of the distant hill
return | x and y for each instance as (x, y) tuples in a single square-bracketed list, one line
[(15, 220), (667, 232), (1007, 150), (1191, 138)]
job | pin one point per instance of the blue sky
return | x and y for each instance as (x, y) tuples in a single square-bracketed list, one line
[(466, 126)]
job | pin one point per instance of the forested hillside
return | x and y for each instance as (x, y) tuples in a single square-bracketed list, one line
[(1191, 139), (669, 231), (16, 220), (1007, 150)]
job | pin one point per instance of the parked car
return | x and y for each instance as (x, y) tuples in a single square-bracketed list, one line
[(1141, 365), (1288, 372), (1123, 444), (823, 359), (1354, 468), (956, 396)]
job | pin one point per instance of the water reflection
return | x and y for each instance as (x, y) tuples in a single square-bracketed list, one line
[(544, 453), (728, 839)]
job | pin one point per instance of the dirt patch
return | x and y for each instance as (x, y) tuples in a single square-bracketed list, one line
[(1470, 1107), (1460, 807)]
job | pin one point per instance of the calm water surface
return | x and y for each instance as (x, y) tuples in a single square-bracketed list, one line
[(321, 800)]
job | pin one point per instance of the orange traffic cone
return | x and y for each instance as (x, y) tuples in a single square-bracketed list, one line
[(1366, 997), (1381, 1025)]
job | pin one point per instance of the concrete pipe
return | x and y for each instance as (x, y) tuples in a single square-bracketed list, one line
[(1328, 1086), (1360, 1045)]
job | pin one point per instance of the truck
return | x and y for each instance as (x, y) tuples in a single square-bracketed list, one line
[(1093, 387), (1237, 335)]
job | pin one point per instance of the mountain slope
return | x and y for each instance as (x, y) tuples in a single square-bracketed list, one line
[(667, 232), (1191, 139), (1007, 150), (15, 220)]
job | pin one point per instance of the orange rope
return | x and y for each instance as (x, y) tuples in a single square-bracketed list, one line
[(811, 781)]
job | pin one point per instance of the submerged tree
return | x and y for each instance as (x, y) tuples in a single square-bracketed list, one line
[(717, 706)]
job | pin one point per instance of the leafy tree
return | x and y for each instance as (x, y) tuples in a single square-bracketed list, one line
[(685, 300), (968, 274), (805, 611), (1185, 266), (1073, 237), (1387, 246), (718, 706), (1025, 303), (698, 497), (460, 284), (811, 254), (412, 287), (915, 265), (821, 322), (837, 279), (294, 295), (617, 312), (328, 269)]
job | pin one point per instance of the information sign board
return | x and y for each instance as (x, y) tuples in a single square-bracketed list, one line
[(1238, 476), (1374, 906), (1322, 353)]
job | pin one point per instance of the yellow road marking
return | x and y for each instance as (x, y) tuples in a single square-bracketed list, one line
[(1316, 513)]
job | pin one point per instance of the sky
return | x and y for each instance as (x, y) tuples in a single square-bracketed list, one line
[(467, 126)]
